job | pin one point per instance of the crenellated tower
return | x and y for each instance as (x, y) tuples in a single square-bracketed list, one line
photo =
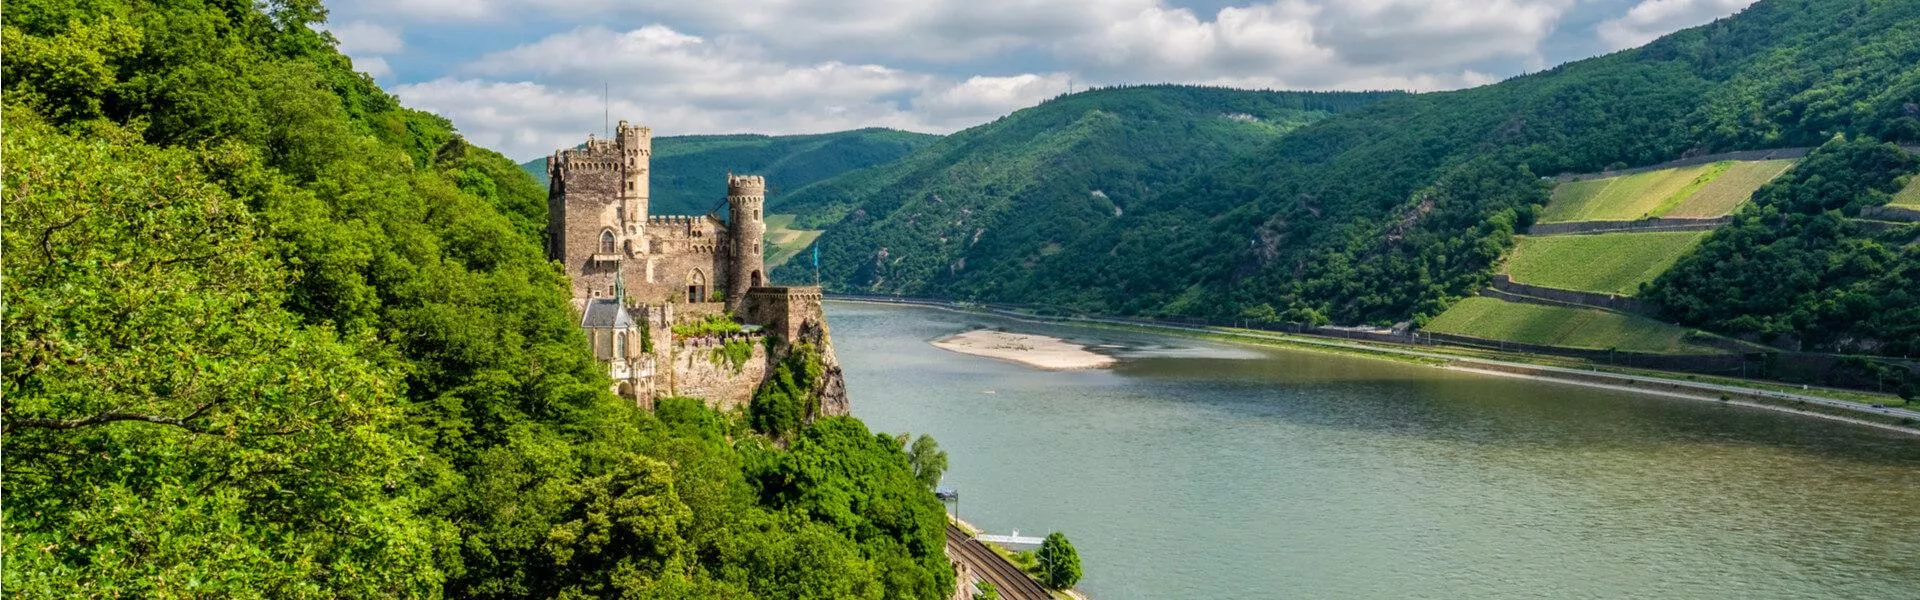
[(746, 194), (636, 146)]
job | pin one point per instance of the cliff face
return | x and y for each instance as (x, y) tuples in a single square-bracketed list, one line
[(833, 385)]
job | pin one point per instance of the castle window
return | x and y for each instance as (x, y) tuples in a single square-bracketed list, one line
[(619, 345), (606, 242)]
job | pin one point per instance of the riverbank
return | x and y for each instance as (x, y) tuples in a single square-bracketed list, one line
[(1668, 385), (1037, 351)]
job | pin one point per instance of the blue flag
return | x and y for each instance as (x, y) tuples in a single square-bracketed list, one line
[(816, 256)]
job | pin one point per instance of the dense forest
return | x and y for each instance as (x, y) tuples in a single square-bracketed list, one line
[(980, 208), (1793, 264), (270, 334), (1387, 212), (689, 173)]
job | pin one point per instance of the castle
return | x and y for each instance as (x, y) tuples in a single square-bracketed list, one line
[(635, 276)]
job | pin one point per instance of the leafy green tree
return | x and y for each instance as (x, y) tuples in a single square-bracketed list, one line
[(1059, 562), (928, 460)]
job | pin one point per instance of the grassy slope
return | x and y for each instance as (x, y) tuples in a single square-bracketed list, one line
[(784, 241), (1495, 319), (1608, 263), (689, 172), (1726, 192), (1627, 197), (1908, 197)]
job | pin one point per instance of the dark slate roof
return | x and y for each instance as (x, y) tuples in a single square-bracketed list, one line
[(605, 313)]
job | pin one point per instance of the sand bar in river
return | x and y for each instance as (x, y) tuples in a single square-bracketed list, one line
[(1037, 351)]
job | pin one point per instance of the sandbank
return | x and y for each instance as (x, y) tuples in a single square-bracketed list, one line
[(1038, 351)]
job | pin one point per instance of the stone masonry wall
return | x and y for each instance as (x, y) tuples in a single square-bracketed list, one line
[(681, 252), (584, 203), (1504, 282), (1654, 224), (698, 373)]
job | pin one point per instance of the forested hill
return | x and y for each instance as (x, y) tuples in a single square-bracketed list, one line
[(690, 171), (1384, 213), (270, 334), (973, 214)]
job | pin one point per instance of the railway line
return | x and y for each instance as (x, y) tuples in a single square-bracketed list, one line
[(1012, 583)]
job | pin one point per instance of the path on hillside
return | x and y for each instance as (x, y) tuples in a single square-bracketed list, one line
[(1706, 389), (1009, 580)]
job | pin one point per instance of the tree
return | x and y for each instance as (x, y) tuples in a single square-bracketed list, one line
[(986, 591), (1059, 562), (928, 460)]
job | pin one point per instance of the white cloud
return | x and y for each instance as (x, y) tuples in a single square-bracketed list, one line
[(799, 66), (1651, 19), (989, 96), (374, 66), (1315, 45), (937, 30), (534, 98), (360, 38)]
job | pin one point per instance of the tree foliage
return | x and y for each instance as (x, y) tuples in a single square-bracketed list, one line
[(1793, 264), (270, 334), (928, 460), (1059, 562)]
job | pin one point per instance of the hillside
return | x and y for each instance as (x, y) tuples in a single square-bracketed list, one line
[(1391, 211), (270, 334), (690, 171), (981, 207)]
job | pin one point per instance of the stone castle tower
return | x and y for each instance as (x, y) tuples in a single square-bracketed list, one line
[(600, 227)]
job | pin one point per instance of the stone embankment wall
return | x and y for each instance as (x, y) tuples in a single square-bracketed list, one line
[(700, 371), (1505, 283), (1654, 224), (1774, 154), (1891, 213)]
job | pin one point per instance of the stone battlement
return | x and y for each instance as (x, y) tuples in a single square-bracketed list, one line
[(746, 185), (669, 220)]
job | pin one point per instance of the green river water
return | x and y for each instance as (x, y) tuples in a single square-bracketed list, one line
[(1200, 470)]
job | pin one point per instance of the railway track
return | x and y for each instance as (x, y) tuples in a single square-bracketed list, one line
[(1012, 583)]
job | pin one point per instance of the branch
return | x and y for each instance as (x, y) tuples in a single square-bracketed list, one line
[(46, 236), (113, 416)]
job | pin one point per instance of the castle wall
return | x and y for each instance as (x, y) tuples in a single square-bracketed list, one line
[(678, 247), (783, 310), (699, 373)]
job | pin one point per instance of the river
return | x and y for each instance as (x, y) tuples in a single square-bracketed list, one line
[(1194, 469)]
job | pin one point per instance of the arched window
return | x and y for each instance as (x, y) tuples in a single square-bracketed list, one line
[(606, 242)]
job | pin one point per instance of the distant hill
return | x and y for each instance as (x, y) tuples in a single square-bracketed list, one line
[(981, 207), (1141, 202), (689, 171)]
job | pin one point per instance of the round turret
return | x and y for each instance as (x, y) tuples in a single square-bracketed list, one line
[(747, 230)]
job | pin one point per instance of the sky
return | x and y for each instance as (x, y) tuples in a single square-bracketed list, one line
[(528, 76)]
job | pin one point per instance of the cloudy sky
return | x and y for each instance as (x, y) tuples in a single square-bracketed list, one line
[(527, 76)]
